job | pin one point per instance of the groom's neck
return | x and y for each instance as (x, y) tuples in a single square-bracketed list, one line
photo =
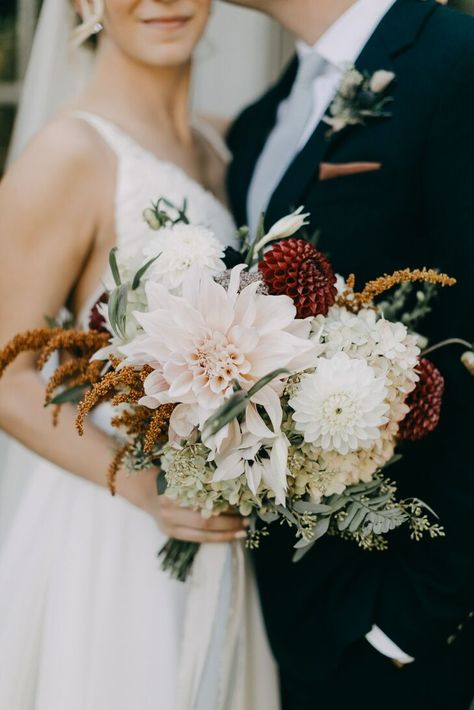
[(307, 19)]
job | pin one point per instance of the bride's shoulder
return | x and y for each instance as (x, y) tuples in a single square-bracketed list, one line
[(63, 164), (65, 144), (64, 159)]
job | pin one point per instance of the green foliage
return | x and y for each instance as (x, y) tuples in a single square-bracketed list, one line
[(117, 309), (364, 513), (160, 214), (409, 305), (73, 394), (141, 272)]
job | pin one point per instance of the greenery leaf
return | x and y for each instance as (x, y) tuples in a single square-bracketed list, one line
[(302, 506), (264, 381), (269, 517), (73, 394), (141, 272), (114, 266), (117, 309), (237, 404), (285, 513), (233, 408), (302, 547)]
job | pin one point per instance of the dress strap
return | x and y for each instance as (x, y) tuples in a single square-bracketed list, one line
[(116, 139), (213, 137)]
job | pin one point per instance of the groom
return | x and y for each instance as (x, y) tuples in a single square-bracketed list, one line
[(349, 628)]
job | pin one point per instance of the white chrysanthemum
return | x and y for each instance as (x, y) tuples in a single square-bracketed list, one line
[(179, 248), (201, 343), (341, 406)]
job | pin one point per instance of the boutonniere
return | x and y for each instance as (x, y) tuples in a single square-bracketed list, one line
[(360, 96)]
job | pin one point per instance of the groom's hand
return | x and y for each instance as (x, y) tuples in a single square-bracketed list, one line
[(184, 524)]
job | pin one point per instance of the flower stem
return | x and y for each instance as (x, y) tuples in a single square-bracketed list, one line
[(444, 343), (177, 558)]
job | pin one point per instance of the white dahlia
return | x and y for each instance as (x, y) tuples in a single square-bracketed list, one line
[(341, 406), (201, 343), (179, 248)]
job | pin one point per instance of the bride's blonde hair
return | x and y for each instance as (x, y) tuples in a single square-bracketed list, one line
[(92, 12)]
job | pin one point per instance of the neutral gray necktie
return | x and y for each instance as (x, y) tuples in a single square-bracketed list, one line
[(282, 145)]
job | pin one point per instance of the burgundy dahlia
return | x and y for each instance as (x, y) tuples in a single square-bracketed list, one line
[(424, 402), (295, 268), (96, 319)]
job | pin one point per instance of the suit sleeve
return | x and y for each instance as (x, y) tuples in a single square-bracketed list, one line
[(426, 588)]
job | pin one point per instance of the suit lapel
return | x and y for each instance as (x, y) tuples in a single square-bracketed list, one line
[(398, 30)]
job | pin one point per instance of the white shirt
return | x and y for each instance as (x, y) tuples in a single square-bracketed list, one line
[(340, 46)]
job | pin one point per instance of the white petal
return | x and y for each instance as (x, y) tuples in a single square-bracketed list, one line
[(269, 399), (255, 423)]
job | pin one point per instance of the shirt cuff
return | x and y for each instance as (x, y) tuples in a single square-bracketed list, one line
[(384, 645)]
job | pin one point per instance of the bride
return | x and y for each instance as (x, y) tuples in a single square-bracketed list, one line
[(88, 620)]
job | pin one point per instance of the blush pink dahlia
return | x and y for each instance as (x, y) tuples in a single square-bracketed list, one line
[(202, 343)]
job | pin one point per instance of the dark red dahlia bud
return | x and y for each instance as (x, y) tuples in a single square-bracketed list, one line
[(96, 319), (295, 268), (424, 402)]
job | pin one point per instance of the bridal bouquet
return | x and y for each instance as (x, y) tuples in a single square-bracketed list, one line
[(273, 388)]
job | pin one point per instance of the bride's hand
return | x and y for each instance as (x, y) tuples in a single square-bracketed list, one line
[(184, 524), (175, 521)]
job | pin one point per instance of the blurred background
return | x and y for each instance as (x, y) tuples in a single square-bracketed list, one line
[(226, 79)]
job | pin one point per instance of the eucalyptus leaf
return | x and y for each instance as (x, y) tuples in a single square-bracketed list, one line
[(322, 526), (350, 513), (285, 513), (302, 506), (269, 517), (358, 519), (302, 551), (338, 501), (364, 488)]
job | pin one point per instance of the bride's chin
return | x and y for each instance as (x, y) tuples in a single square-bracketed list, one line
[(163, 49)]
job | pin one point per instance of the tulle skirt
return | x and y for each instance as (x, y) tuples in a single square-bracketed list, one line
[(88, 621)]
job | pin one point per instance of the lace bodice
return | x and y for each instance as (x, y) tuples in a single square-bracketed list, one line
[(142, 178)]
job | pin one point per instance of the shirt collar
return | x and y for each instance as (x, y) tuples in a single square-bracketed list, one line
[(342, 43)]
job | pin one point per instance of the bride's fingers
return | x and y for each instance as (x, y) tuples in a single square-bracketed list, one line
[(183, 517), (173, 515), (205, 536)]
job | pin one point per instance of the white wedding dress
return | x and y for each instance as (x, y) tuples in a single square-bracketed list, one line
[(88, 621)]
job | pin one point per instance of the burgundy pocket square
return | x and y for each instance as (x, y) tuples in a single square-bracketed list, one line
[(329, 171)]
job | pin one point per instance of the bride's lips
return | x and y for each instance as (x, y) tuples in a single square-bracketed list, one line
[(167, 23)]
